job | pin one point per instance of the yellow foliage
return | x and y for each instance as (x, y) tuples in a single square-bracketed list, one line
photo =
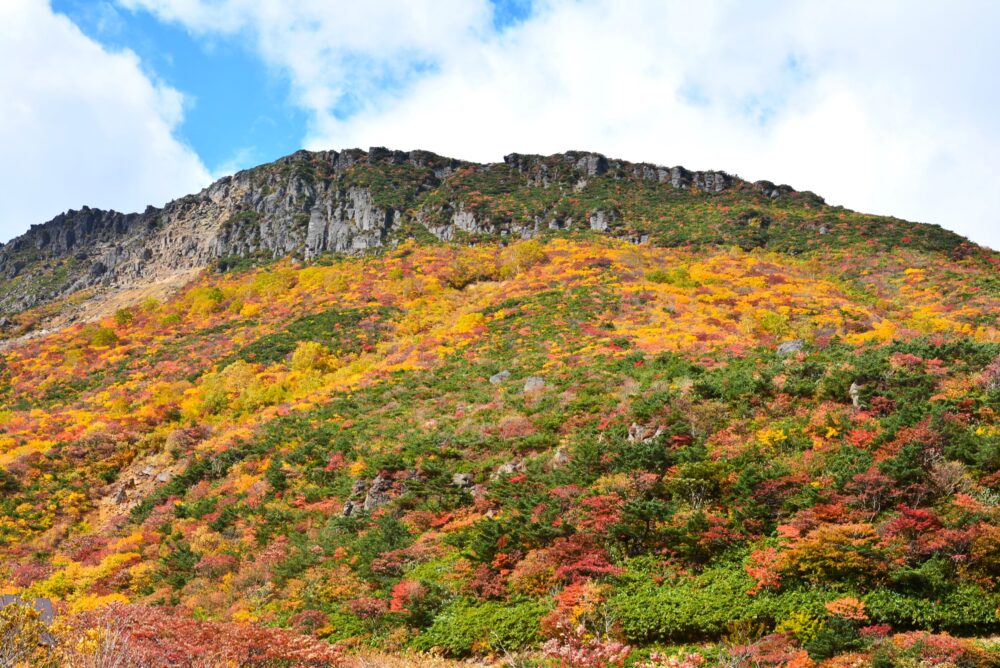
[(249, 310), (770, 437), (468, 322), (90, 602), (520, 256), (311, 356)]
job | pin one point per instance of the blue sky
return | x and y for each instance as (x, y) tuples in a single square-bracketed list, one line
[(882, 107), (237, 113)]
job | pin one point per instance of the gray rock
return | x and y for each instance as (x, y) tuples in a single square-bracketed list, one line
[(378, 494), (121, 496), (599, 221), (559, 459), (593, 164), (790, 347), (854, 392), (148, 470), (508, 468), (498, 378), (533, 384), (349, 509), (463, 480), (165, 476), (638, 433)]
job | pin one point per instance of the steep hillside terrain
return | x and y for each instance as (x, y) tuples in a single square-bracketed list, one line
[(565, 410)]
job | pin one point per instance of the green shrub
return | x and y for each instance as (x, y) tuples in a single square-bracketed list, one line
[(465, 627), (124, 317), (702, 607), (967, 609), (103, 337), (8, 483), (679, 277), (684, 610)]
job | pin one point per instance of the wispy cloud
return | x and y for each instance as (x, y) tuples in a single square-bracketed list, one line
[(81, 125)]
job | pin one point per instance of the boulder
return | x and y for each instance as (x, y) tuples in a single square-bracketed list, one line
[(790, 347), (533, 384), (559, 459), (498, 378), (378, 494), (854, 392), (509, 468), (638, 433), (463, 480), (359, 488)]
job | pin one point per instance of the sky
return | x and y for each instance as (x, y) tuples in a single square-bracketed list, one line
[(886, 107)]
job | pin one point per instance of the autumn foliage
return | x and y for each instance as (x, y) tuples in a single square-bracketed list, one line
[(576, 448)]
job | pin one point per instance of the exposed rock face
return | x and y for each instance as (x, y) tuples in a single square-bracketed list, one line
[(378, 493), (305, 204), (854, 392), (600, 220), (509, 468)]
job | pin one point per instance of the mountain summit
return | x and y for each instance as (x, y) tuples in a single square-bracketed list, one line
[(311, 203)]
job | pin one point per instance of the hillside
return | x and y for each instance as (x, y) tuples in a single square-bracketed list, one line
[(561, 409)]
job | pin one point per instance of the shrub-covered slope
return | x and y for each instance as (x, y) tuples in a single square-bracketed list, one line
[(778, 452)]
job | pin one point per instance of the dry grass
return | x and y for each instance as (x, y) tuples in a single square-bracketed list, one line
[(374, 660), (371, 659)]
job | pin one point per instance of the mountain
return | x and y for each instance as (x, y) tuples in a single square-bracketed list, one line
[(308, 204), (559, 410)]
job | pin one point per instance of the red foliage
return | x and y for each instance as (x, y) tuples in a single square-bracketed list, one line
[(154, 638), (577, 651), (578, 556), (763, 568), (774, 650), (366, 607), (600, 512), (29, 572), (215, 566), (404, 593), (308, 621), (486, 583)]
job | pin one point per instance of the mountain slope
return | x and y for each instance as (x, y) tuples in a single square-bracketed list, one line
[(769, 433)]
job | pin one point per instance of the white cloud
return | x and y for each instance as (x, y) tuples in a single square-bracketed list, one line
[(80, 125), (885, 107)]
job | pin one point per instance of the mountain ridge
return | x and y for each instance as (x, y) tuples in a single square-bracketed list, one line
[(309, 203)]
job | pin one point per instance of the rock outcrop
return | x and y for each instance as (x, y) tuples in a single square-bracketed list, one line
[(305, 204)]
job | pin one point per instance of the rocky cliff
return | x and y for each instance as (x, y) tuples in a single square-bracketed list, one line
[(306, 204), (310, 203)]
